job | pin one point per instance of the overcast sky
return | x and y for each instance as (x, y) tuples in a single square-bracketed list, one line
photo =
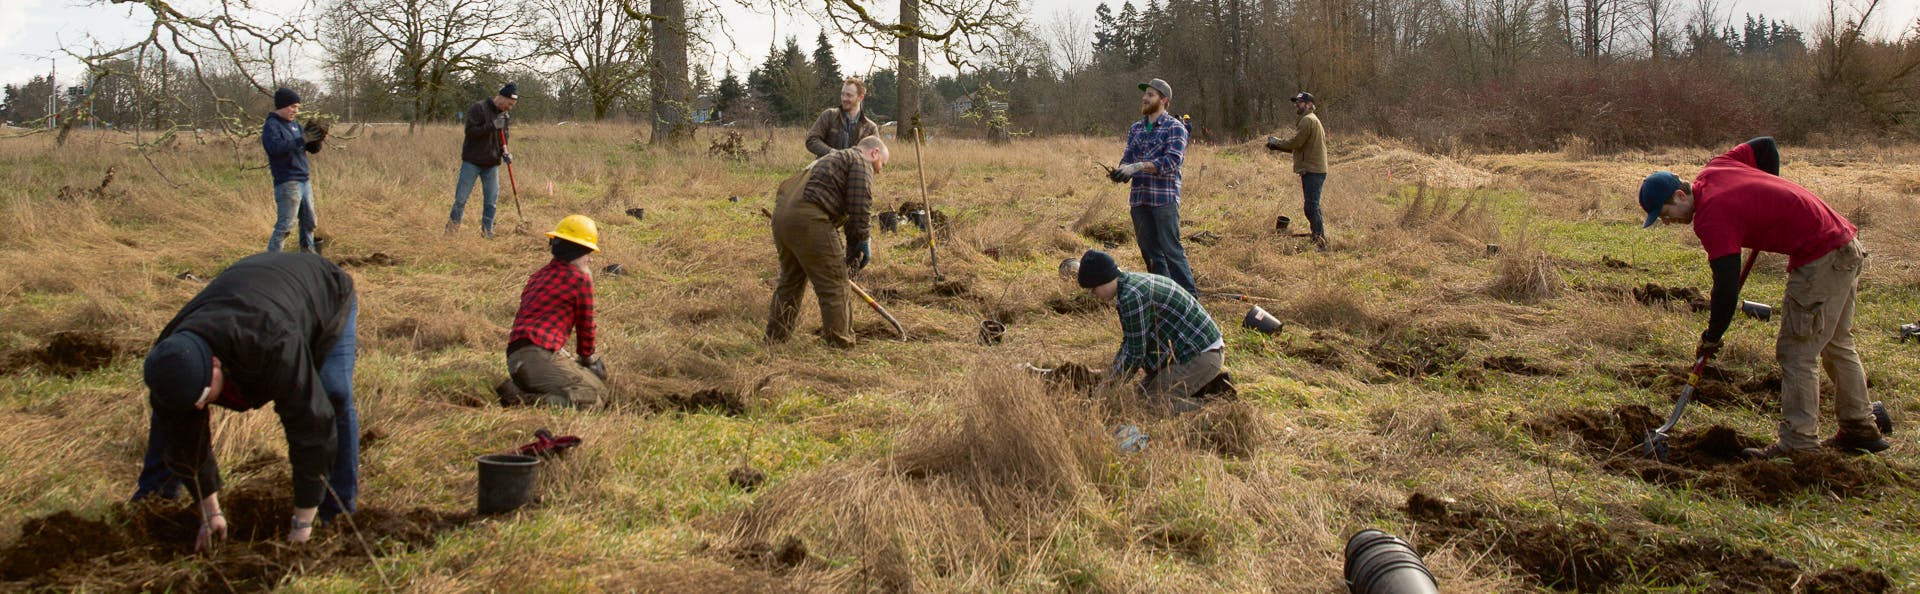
[(33, 31)]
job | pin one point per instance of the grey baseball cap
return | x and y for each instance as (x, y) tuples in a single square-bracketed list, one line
[(1159, 86)]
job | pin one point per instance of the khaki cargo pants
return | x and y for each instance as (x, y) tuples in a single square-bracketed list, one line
[(1818, 324), (549, 375), (1173, 386), (810, 250)]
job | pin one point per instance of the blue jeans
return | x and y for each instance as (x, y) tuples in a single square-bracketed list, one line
[(343, 480), (1157, 229), (291, 198), (1310, 184), (489, 190)]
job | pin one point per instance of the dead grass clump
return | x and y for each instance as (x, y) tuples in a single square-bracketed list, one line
[(1330, 305), (957, 499), (1233, 429), (1526, 274)]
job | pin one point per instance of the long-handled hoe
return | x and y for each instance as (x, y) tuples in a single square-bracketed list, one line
[(522, 227)]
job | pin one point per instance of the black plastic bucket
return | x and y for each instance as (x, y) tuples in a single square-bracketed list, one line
[(1381, 563), (889, 222), (506, 482), (1259, 319), (1280, 224)]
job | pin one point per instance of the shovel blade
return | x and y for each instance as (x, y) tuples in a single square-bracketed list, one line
[(1655, 446)]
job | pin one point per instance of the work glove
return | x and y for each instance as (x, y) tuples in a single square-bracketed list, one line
[(500, 122), (858, 255), (1707, 349), (313, 146), (316, 130), (595, 365), (506, 157), (1273, 143)]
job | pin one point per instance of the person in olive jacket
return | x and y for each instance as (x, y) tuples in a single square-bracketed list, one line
[(481, 154), (275, 328)]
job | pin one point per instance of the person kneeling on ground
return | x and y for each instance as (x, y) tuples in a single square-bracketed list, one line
[(1164, 331), (275, 328), (558, 299)]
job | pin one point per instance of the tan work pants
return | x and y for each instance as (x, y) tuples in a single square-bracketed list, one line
[(1173, 386), (540, 372), (810, 250), (1818, 323)]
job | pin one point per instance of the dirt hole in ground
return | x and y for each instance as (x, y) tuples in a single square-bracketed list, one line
[(1517, 365), (69, 353), (1586, 556), (1069, 376), (1717, 387), (1107, 232), (1420, 352), (789, 555), (1709, 458), (747, 478), (715, 400), (373, 259), (1077, 302), (1652, 294), (139, 546)]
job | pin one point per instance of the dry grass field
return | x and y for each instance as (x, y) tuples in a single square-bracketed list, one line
[(1487, 405)]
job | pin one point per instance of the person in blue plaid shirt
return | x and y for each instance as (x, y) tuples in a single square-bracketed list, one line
[(1164, 331), (1156, 148)]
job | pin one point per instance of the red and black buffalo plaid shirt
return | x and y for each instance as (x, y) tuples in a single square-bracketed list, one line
[(558, 298)]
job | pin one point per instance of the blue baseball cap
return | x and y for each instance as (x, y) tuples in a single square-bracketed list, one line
[(1654, 193)]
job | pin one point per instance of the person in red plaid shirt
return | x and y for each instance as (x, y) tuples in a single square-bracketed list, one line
[(558, 299)]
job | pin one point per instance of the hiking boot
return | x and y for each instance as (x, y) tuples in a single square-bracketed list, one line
[(486, 232), (1777, 450), (1320, 243), (1857, 440), (452, 227)]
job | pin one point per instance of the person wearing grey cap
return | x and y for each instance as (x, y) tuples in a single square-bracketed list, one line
[(1156, 149), (274, 329), (1164, 332), (481, 154), (1309, 148)]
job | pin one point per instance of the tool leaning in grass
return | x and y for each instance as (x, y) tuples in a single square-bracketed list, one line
[(512, 183), (921, 164)]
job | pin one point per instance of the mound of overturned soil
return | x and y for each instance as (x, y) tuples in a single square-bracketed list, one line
[(1108, 232), (1069, 376), (1076, 302), (138, 546), (1847, 580), (1589, 557), (1517, 365), (69, 353), (373, 259), (1709, 458), (1652, 294), (725, 402), (1717, 386), (747, 478)]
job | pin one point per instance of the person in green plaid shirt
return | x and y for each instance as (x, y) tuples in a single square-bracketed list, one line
[(1165, 332)]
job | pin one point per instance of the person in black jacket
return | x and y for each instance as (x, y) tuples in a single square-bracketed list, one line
[(481, 155), (287, 146), (278, 329)]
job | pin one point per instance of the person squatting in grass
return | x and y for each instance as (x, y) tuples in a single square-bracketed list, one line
[(275, 328), (1156, 149), (834, 191), (558, 299), (1309, 148), (839, 128), (481, 155), (1740, 201), (1164, 332), (287, 146)]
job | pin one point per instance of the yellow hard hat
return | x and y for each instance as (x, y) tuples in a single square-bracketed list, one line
[(578, 229)]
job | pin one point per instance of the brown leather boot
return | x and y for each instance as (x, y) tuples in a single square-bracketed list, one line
[(1777, 450), (1857, 439)]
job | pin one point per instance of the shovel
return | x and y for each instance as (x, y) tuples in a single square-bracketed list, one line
[(515, 185), (1656, 442), (902, 332)]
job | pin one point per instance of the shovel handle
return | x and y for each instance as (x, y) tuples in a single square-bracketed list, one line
[(897, 329)]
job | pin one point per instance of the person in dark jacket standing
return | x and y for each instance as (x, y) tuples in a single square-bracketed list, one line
[(275, 329), (1156, 150), (835, 192), (842, 127), (481, 155), (287, 147)]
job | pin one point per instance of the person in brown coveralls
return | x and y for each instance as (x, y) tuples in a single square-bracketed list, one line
[(834, 191)]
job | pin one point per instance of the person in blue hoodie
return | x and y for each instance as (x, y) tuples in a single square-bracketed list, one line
[(287, 146)]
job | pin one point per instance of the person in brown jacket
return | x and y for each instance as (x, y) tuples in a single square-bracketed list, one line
[(1309, 148), (835, 190), (841, 127)]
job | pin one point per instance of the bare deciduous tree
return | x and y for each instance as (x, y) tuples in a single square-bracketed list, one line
[(432, 41), (597, 42)]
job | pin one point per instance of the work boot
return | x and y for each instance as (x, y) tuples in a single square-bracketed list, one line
[(452, 227), (1857, 440), (486, 232), (1777, 450), (1320, 243)]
